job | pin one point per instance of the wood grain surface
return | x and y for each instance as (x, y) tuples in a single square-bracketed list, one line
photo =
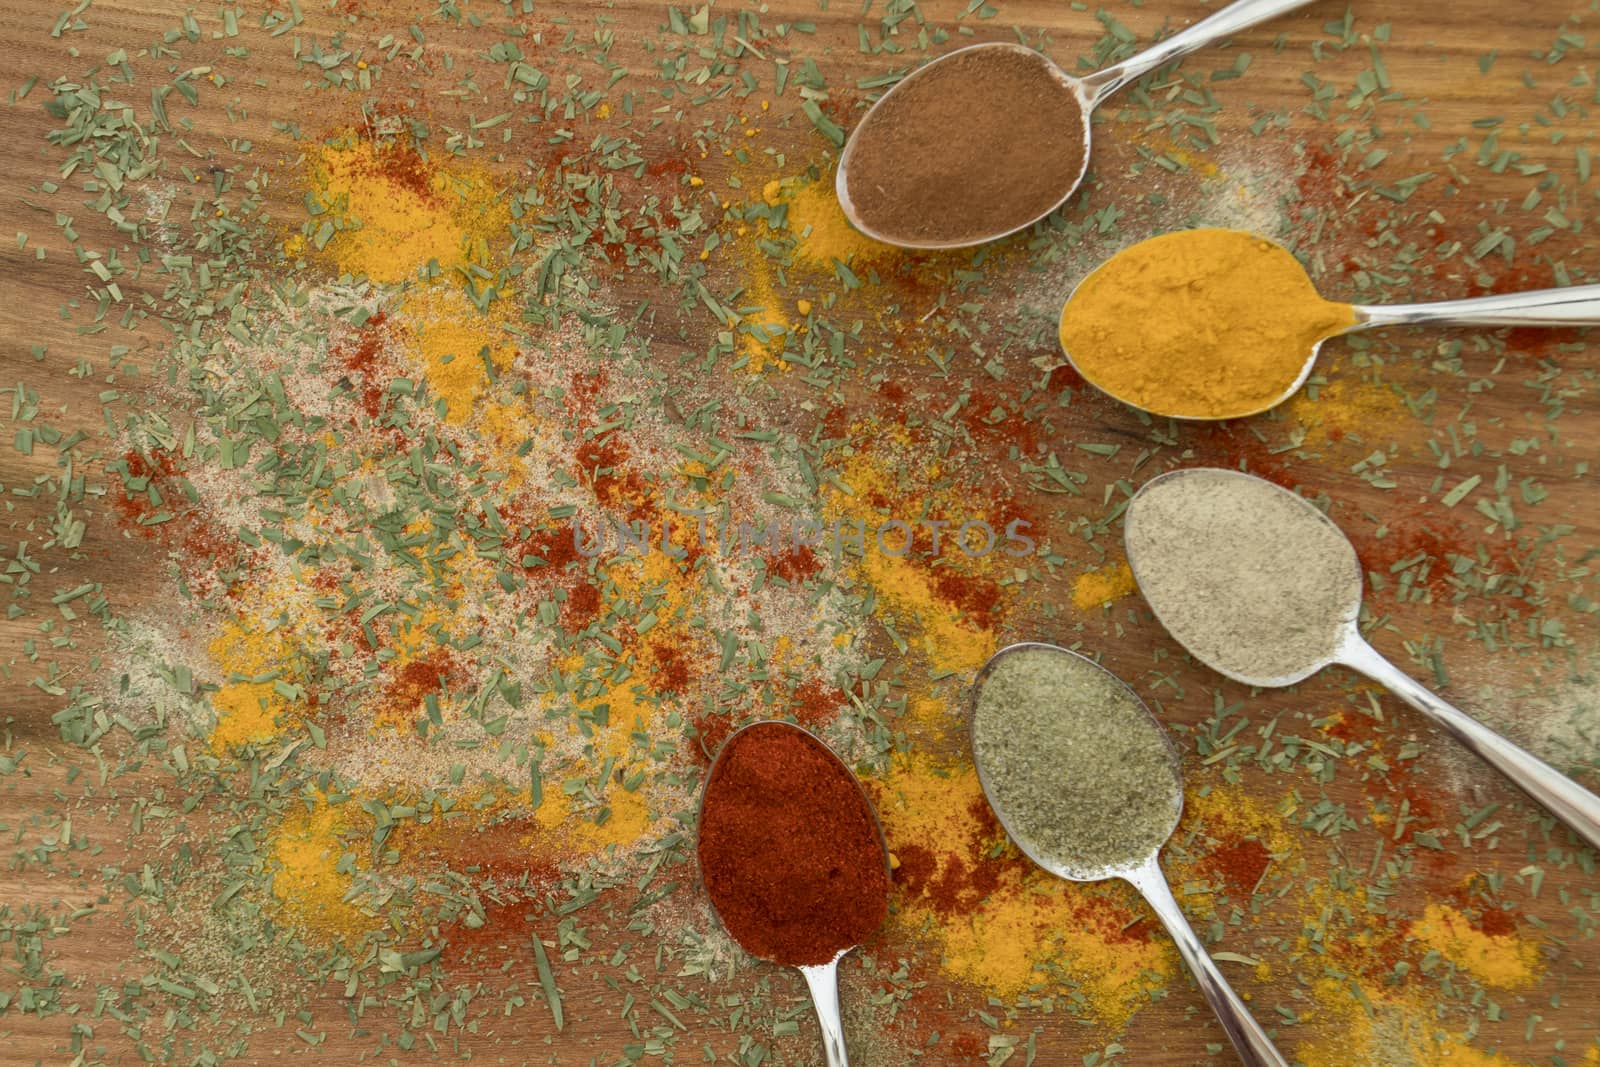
[(1313, 146)]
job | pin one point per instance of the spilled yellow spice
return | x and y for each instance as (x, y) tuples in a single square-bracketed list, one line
[(1097, 587), (935, 715), (507, 428), (821, 232), (766, 321), (949, 644), (399, 212), (249, 712), (1228, 821), (763, 326), (1398, 1030), (581, 747), (306, 882), (453, 344), (906, 588), (1504, 960), (1001, 924), (1346, 405)]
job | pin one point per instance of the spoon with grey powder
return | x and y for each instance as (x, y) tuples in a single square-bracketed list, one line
[(1261, 586), (1087, 783)]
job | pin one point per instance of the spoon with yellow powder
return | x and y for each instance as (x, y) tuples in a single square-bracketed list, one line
[(1220, 324)]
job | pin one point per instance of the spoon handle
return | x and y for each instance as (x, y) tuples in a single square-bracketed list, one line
[(1250, 1041), (1564, 798), (1575, 305), (1225, 23), (823, 981)]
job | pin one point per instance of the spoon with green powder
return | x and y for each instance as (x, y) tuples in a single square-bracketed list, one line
[(1261, 586), (1087, 783)]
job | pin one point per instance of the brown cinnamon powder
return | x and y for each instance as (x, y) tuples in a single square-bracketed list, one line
[(973, 146)]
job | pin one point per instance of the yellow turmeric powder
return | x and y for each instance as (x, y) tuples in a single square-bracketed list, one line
[(1201, 324), (1501, 960)]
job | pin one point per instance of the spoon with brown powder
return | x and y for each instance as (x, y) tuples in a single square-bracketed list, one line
[(1261, 586), (987, 140)]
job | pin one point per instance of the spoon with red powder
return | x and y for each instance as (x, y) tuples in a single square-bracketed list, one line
[(793, 859), (989, 139)]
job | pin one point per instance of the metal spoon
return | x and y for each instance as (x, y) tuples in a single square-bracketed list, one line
[(1564, 798), (1089, 91), (822, 979), (1577, 305), (1254, 1047)]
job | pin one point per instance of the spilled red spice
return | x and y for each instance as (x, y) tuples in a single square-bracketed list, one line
[(186, 529), (969, 1044), (1421, 808), (554, 547), (412, 683), (816, 702), (1321, 183), (669, 670), (969, 875), (711, 727), (582, 605), (1239, 864), (360, 351), (621, 491), (979, 598), (1496, 922), (1011, 427), (1437, 536), (795, 565), (399, 162)]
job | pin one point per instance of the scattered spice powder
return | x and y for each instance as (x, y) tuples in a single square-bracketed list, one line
[(1077, 768), (1201, 324), (976, 144), (388, 213), (1247, 576), (999, 923), (789, 847), (1099, 587), (294, 452), (1504, 961)]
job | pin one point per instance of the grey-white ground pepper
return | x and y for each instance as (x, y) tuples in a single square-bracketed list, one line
[(1079, 771), (1250, 578)]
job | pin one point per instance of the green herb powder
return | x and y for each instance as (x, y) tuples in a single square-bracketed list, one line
[(1077, 769), (1251, 579)]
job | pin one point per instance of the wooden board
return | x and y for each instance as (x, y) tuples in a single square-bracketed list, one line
[(1314, 144)]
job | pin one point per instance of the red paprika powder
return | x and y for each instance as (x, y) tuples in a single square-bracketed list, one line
[(789, 847)]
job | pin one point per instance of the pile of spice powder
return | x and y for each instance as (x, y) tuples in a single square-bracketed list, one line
[(1250, 578), (974, 145), (1077, 769), (1200, 324), (789, 848)]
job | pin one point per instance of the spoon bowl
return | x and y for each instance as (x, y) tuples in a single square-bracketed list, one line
[(1577, 305), (822, 979), (1086, 92), (1144, 872), (1168, 506)]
